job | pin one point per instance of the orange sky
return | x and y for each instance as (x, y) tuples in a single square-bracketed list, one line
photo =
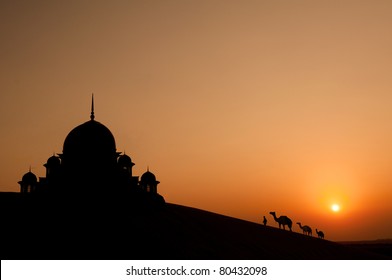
[(238, 107)]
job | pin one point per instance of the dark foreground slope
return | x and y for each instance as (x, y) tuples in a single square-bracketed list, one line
[(174, 232), (379, 246)]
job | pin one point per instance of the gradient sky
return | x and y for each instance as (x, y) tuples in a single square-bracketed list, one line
[(238, 107)]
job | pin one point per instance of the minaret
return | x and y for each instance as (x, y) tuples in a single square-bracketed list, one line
[(53, 166), (148, 182), (92, 117), (125, 163), (29, 182)]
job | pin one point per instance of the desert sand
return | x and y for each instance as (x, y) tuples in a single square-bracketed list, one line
[(173, 232)]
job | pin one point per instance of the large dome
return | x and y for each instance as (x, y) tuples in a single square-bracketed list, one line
[(89, 138), (89, 154)]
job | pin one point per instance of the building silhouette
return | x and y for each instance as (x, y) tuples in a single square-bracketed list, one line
[(90, 166), (89, 204)]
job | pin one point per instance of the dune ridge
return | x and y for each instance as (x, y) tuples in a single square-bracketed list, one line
[(173, 232)]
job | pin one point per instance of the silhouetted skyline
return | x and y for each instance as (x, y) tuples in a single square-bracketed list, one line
[(91, 166)]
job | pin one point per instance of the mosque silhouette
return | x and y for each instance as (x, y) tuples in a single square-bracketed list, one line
[(89, 204), (90, 168)]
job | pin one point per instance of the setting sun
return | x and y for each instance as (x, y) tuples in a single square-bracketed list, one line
[(335, 207)]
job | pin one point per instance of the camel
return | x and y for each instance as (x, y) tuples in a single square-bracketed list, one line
[(306, 229), (282, 220), (320, 234)]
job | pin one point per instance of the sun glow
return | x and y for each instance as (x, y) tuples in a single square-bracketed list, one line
[(335, 207)]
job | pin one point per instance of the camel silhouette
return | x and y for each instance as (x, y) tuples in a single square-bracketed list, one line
[(282, 220), (320, 234), (306, 229)]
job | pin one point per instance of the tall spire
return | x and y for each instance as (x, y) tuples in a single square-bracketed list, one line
[(92, 107)]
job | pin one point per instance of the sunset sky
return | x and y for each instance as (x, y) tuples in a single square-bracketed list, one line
[(238, 107)]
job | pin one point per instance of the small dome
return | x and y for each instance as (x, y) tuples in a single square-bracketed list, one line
[(89, 138), (148, 177), (29, 178), (53, 161), (125, 160)]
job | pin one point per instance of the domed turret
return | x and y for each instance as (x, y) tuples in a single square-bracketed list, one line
[(148, 182), (28, 183), (125, 163), (53, 161), (53, 166), (125, 160), (29, 178), (148, 177)]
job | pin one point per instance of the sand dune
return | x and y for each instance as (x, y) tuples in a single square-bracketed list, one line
[(175, 232)]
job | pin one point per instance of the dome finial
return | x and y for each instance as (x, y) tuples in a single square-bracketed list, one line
[(92, 107)]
